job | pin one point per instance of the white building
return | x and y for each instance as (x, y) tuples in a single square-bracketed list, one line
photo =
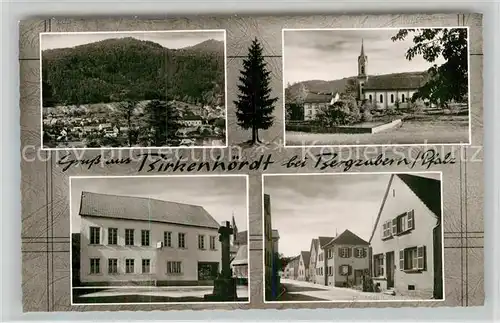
[(134, 240)]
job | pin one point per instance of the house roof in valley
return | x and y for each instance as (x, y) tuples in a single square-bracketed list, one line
[(397, 81), (324, 241), (144, 209), (306, 255), (428, 190), (312, 97), (347, 238)]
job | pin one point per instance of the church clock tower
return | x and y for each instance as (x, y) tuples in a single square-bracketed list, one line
[(362, 74)]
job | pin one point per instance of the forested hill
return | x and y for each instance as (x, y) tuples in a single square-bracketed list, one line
[(131, 69)]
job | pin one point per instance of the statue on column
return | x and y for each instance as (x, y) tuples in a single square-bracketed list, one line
[(225, 283)]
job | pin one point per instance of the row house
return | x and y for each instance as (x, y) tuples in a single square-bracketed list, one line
[(134, 240), (406, 242), (320, 275), (303, 268)]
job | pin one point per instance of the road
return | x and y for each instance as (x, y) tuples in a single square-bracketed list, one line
[(306, 291), (139, 294)]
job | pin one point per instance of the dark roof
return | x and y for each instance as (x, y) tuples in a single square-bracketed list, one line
[(144, 209), (306, 255), (427, 189), (275, 234), (347, 238), (241, 238), (324, 240), (311, 97), (399, 81)]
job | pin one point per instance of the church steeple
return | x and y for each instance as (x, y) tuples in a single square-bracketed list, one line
[(362, 61)]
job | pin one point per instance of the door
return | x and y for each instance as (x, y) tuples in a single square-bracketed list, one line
[(389, 256), (207, 270)]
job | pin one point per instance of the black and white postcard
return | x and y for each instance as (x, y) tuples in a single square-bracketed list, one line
[(355, 237), (158, 239), (133, 89), (376, 86)]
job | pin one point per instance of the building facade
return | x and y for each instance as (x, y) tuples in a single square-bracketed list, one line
[(313, 251), (406, 243), (132, 240), (272, 281), (314, 102), (303, 268), (346, 260)]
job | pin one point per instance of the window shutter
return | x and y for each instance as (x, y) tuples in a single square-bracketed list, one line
[(411, 220), (401, 259), (349, 270), (349, 252), (340, 270), (365, 253), (421, 257), (394, 226)]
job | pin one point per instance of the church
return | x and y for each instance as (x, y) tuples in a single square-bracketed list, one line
[(386, 90), (382, 91)]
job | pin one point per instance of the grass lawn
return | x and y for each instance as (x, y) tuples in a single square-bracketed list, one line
[(440, 131)]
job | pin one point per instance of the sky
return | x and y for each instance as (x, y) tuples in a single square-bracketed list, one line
[(172, 40), (304, 207), (221, 196), (333, 54)]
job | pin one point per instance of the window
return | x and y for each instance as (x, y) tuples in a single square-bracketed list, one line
[(144, 237), (362, 70), (345, 252), (95, 235), (146, 266), (371, 98), (174, 267), (212, 242), (95, 265), (167, 239), (330, 271), (129, 237), (386, 230), (112, 236), (402, 98), (381, 98), (378, 265), (201, 241), (403, 223), (129, 266), (182, 240), (412, 258), (112, 266), (310, 112), (360, 253), (392, 98)]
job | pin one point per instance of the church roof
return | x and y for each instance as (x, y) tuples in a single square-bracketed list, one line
[(397, 81)]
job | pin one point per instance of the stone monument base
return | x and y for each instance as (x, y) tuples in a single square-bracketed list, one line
[(224, 291)]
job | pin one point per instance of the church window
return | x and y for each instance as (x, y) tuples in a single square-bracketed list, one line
[(402, 98), (362, 70), (392, 98), (370, 98), (381, 98)]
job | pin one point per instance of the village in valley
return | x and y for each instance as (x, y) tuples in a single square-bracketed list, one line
[(102, 125), (396, 254), (133, 90), (373, 87)]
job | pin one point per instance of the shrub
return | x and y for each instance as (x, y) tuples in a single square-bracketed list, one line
[(334, 115), (366, 116)]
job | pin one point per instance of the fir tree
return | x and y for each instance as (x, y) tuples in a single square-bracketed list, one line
[(254, 107), (161, 123)]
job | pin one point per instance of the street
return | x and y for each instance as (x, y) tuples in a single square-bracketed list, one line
[(141, 294), (307, 291)]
